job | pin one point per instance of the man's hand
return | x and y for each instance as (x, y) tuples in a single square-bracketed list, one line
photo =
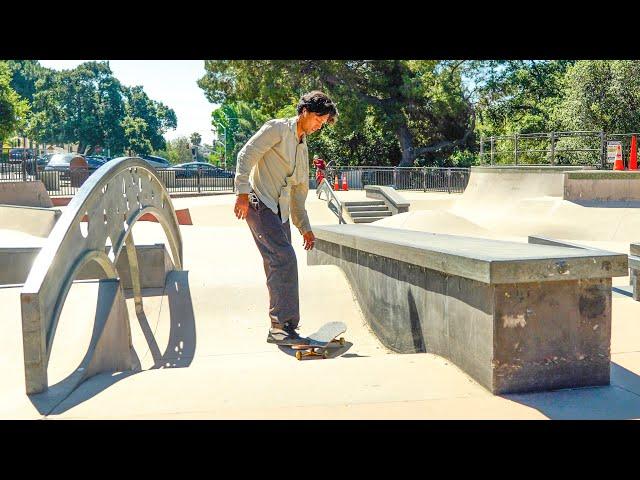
[(242, 206), (309, 240)]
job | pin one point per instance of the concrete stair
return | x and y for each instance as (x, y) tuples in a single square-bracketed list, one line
[(367, 211)]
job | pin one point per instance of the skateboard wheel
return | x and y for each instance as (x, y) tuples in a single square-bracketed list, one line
[(299, 354), (325, 354), (341, 340)]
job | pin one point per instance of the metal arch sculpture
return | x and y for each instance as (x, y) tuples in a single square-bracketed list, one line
[(113, 199)]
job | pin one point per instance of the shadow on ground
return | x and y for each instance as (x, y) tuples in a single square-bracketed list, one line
[(179, 352), (618, 401)]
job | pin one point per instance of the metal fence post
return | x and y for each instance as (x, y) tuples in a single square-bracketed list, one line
[(515, 147), (492, 149), (603, 150), (481, 148), (424, 179), (448, 180), (24, 165), (553, 148)]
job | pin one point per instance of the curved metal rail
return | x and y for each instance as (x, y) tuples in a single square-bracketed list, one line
[(112, 200), (332, 201)]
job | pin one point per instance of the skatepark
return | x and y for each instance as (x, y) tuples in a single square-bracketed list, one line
[(198, 342)]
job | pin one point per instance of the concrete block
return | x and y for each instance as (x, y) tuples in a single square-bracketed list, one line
[(29, 194), (510, 335)]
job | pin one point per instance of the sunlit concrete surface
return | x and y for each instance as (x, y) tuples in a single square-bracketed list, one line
[(202, 340)]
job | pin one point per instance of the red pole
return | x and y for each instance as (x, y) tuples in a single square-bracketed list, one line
[(633, 156)]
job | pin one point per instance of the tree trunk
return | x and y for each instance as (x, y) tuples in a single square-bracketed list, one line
[(406, 146)]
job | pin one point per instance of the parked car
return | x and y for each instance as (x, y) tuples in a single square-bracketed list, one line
[(156, 162), (95, 161), (98, 158), (17, 154), (202, 169), (61, 162)]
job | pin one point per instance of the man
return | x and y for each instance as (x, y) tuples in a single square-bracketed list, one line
[(272, 180), (319, 165)]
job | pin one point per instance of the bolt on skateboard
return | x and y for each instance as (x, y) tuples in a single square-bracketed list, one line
[(320, 341)]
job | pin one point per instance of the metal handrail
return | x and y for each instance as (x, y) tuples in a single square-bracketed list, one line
[(332, 201)]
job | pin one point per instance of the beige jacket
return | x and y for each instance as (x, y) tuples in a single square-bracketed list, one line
[(276, 166)]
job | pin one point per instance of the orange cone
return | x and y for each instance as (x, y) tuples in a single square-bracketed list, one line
[(633, 155), (618, 164), (344, 182), (336, 185)]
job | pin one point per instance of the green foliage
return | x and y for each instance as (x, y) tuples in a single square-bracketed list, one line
[(602, 95), (88, 105), (195, 138), (368, 146), (235, 123), (518, 96), (135, 135), (13, 109), (176, 151), (420, 103), (462, 159), (157, 117)]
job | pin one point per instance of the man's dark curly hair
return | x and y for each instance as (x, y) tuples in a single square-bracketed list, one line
[(318, 102)]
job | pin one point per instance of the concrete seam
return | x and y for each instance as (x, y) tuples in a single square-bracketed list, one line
[(626, 390)]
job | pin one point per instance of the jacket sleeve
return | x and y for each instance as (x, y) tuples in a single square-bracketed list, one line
[(299, 215), (265, 138)]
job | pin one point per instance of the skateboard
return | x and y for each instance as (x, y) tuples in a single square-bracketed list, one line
[(320, 341)]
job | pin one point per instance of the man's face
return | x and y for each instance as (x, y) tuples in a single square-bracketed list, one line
[(312, 122)]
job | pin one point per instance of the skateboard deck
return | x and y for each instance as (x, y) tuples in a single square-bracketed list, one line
[(321, 340)]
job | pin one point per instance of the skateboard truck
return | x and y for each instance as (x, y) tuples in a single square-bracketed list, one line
[(304, 351)]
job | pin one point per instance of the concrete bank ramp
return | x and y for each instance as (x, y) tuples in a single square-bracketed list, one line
[(505, 203)]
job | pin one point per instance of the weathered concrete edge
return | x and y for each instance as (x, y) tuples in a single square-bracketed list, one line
[(485, 270), (525, 168), (603, 174), (538, 240)]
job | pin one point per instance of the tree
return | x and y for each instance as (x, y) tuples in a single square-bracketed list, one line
[(24, 76), (518, 96), (82, 105), (195, 138), (237, 121), (421, 103), (13, 109), (88, 105), (177, 151), (135, 132), (601, 95), (158, 118)]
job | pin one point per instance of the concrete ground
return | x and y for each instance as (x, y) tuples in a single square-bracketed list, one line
[(201, 343)]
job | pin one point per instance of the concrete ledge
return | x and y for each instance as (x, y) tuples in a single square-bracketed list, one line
[(603, 185), (528, 168), (488, 261), (154, 262), (28, 194), (540, 320), (35, 221), (634, 269), (394, 201)]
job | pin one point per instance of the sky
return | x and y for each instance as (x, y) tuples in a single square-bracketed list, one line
[(172, 82)]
